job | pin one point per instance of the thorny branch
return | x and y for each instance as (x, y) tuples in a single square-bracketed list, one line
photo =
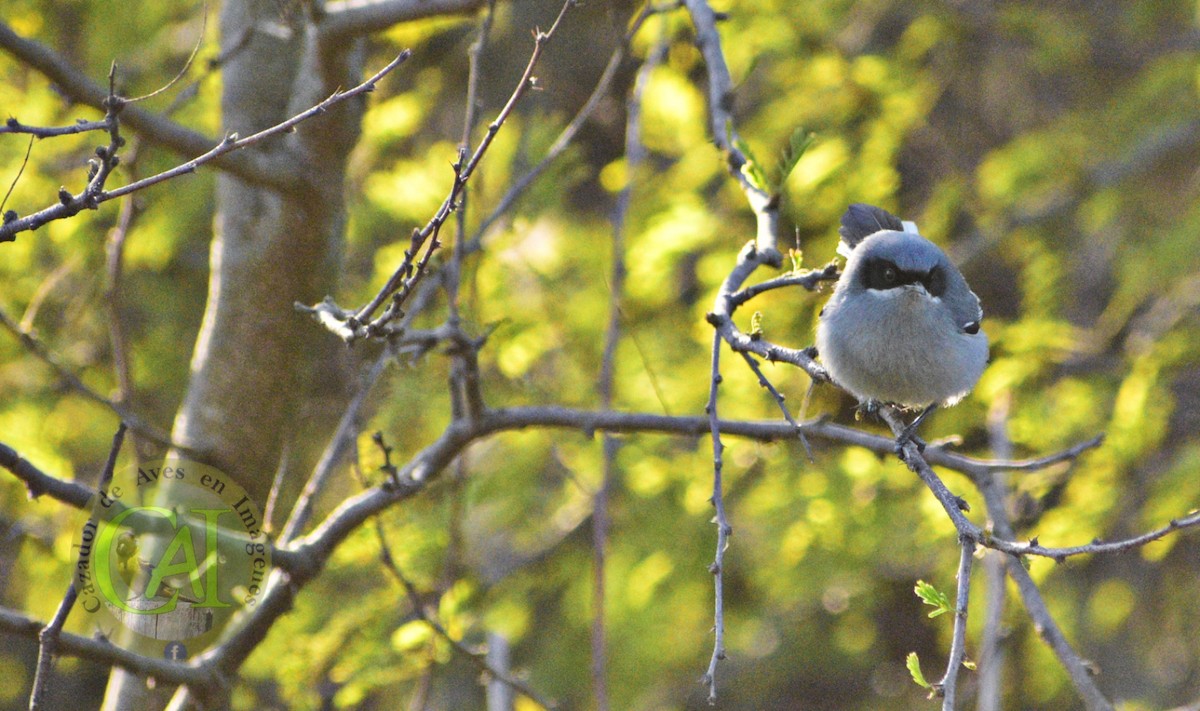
[(948, 686)]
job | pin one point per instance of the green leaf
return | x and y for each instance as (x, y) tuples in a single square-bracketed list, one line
[(752, 168), (933, 597), (800, 142), (756, 322), (914, 669), (797, 257)]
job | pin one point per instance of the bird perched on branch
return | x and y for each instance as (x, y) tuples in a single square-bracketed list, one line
[(902, 326)]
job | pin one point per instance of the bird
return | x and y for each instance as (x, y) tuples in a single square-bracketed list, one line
[(902, 326)]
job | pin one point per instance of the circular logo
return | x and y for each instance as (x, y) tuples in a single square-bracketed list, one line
[(176, 550)]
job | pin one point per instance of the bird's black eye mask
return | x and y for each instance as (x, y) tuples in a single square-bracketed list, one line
[(881, 274)]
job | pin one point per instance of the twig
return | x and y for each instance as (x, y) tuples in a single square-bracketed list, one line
[(70, 205), (565, 138), (721, 319), (418, 607), (156, 128), (779, 400), (724, 134), (466, 399), (42, 353), (1030, 595), (186, 65), (114, 267), (810, 280), (20, 172), (342, 437), (412, 269), (49, 636), (724, 530), (12, 125), (453, 273), (949, 683)]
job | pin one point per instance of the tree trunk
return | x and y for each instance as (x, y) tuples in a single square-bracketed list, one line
[(257, 365)]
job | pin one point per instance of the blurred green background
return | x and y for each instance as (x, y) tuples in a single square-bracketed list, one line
[(1050, 147)]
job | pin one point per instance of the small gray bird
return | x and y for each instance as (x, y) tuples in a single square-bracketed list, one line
[(902, 325)]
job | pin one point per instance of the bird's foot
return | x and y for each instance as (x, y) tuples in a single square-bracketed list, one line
[(867, 408), (909, 435)]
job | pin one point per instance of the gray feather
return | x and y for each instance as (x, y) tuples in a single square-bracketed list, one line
[(862, 221)]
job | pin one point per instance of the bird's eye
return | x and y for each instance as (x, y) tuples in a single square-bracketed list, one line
[(881, 274), (972, 328), (935, 281)]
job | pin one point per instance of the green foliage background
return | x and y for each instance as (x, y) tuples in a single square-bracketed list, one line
[(1051, 147)]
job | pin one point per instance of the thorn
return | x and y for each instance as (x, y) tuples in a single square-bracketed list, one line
[(64, 196)]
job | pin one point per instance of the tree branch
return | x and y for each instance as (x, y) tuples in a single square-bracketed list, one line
[(93, 195), (304, 557), (345, 19), (724, 134), (79, 89), (412, 268), (958, 647), (49, 637), (564, 139)]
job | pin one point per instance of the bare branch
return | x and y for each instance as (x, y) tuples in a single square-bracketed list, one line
[(724, 134), (42, 353), (344, 19), (49, 637), (989, 696), (418, 604), (38, 482), (92, 196), (724, 530), (104, 652), (13, 184), (564, 139), (721, 317), (155, 128), (12, 125), (958, 647), (303, 558), (413, 267), (345, 433)]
